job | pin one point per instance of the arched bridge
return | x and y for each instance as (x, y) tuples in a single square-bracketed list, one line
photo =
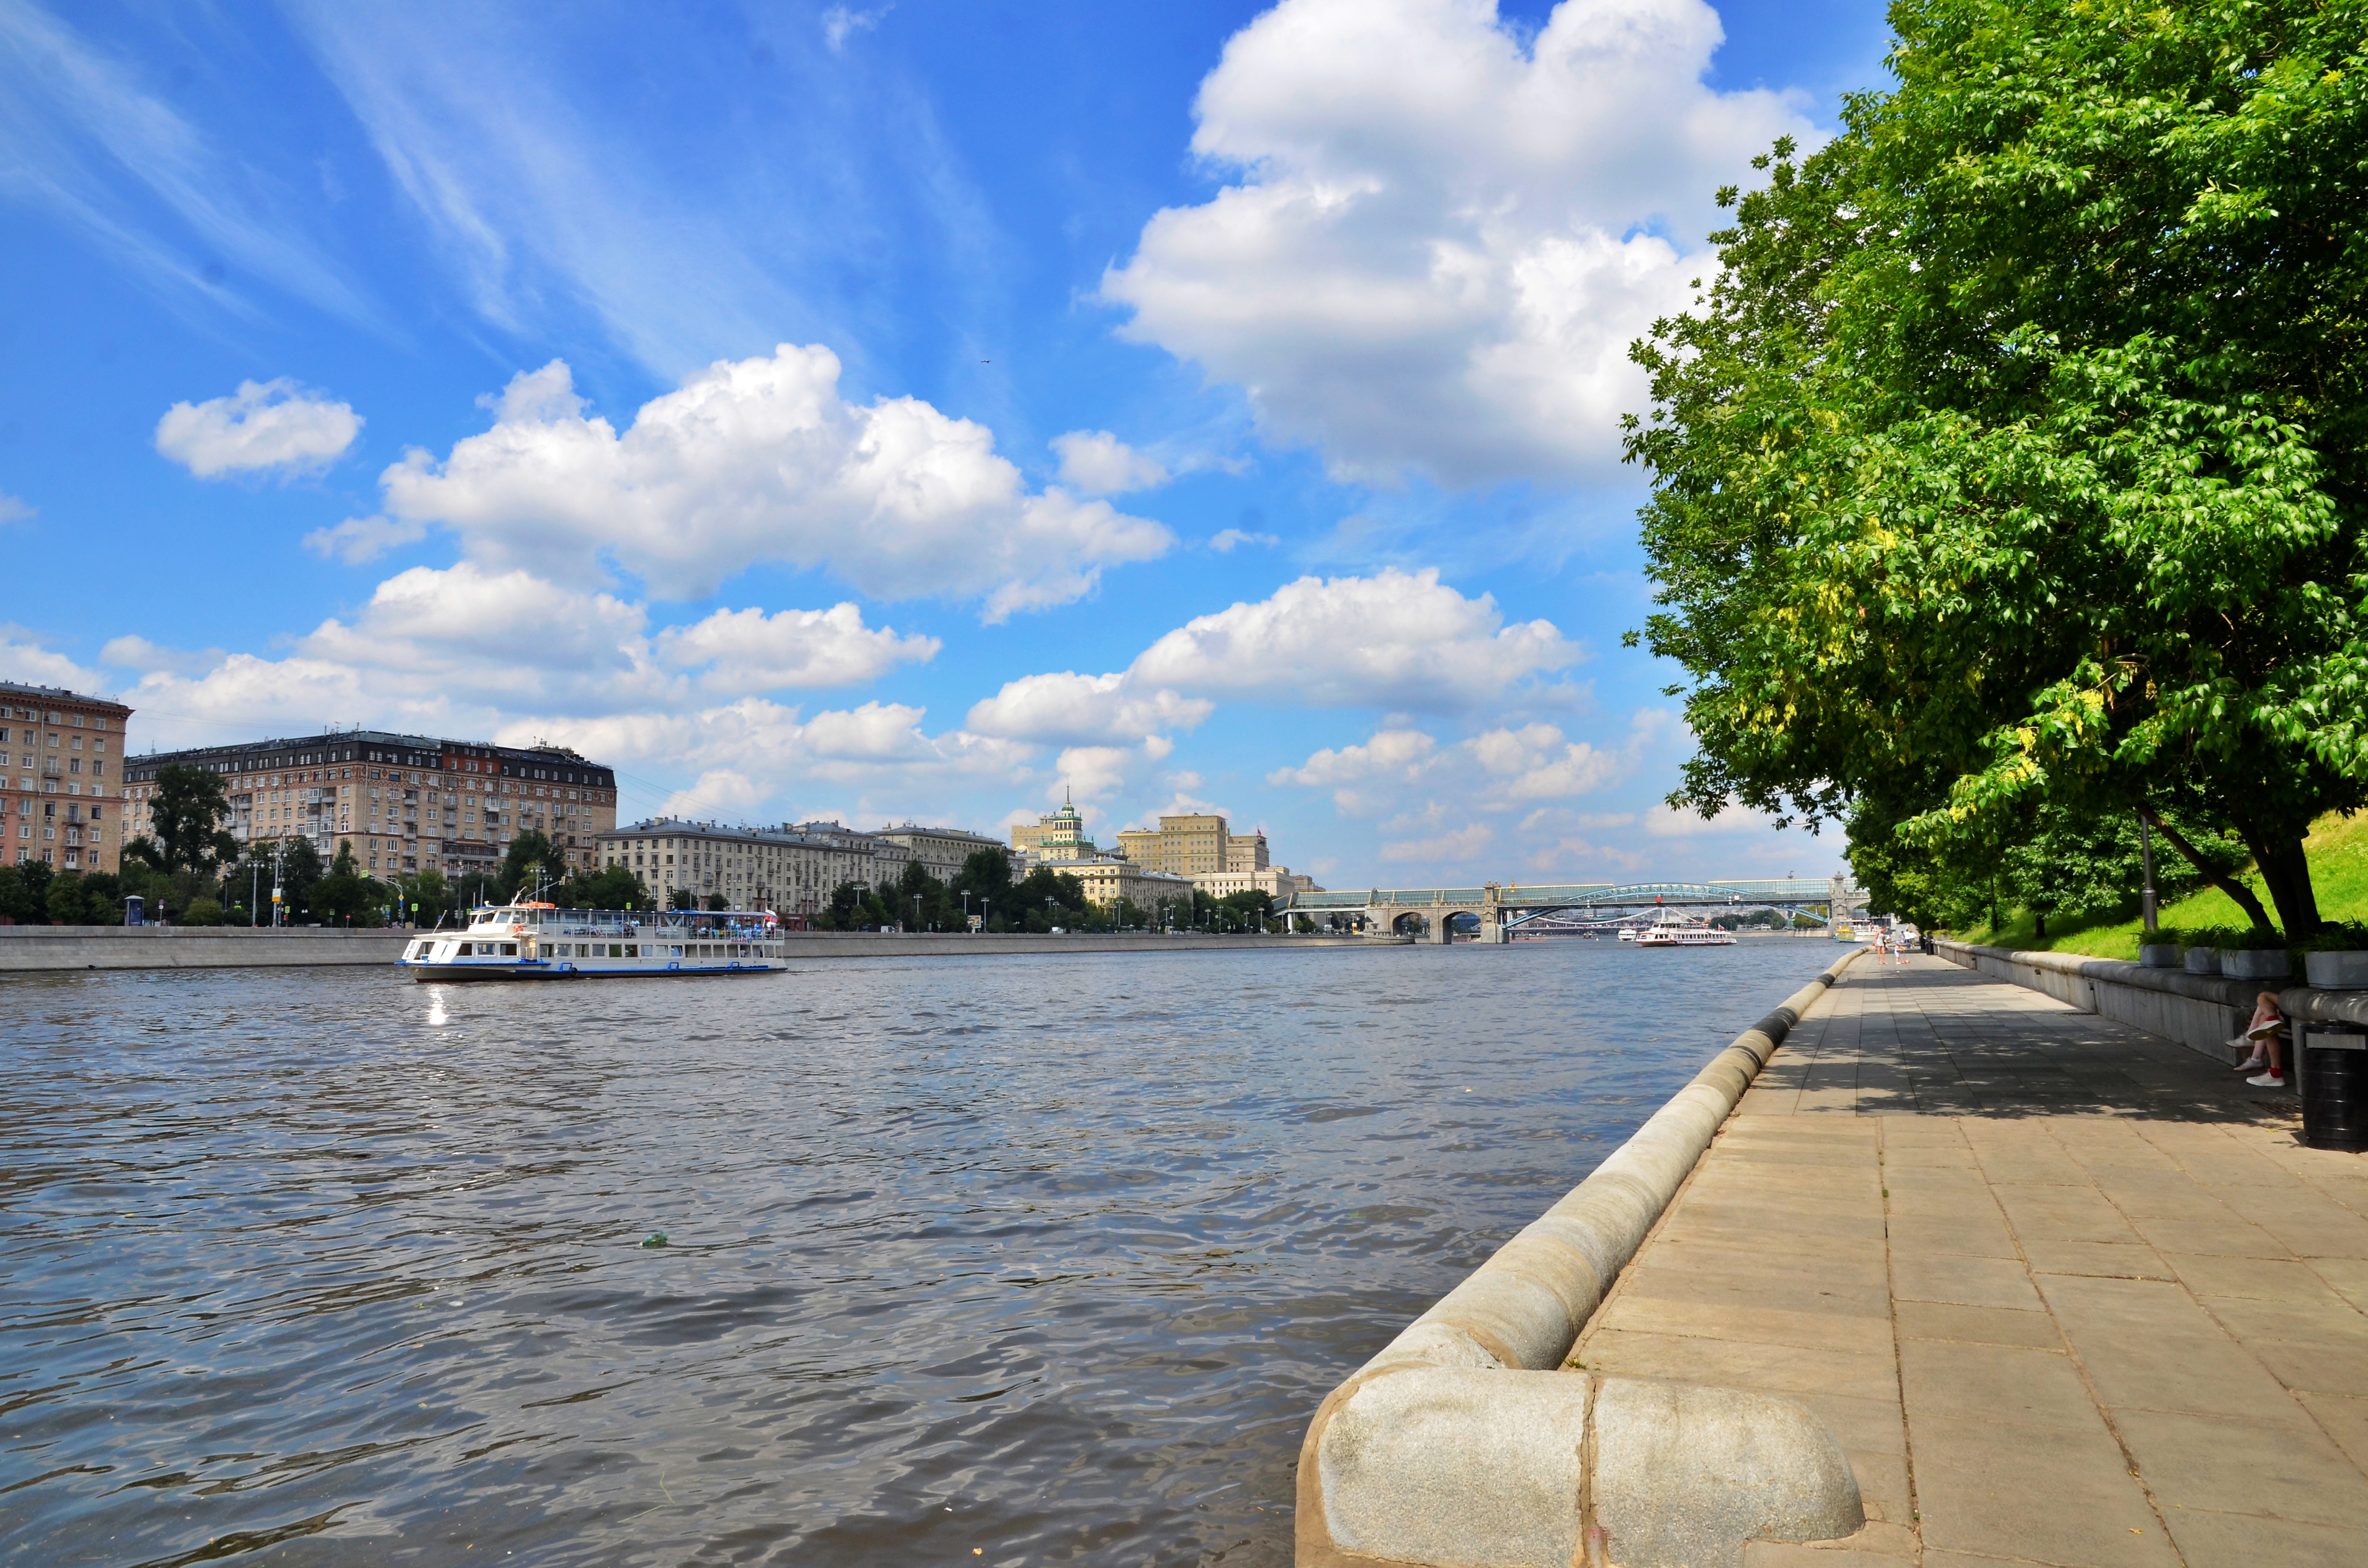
[(1503, 906)]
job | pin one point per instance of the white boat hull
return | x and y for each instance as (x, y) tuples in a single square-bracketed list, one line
[(535, 942)]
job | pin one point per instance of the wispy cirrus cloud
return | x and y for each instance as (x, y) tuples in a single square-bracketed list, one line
[(94, 143)]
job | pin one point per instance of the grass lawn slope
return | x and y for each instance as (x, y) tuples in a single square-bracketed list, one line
[(2337, 849)]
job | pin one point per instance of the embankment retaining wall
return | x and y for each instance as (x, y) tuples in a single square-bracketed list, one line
[(1465, 1443), (27, 948), (2203, 1012)]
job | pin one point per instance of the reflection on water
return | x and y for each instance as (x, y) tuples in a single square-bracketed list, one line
[(1045, 1259)]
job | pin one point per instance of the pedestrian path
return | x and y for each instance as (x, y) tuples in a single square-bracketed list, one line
[(2066, 1292)]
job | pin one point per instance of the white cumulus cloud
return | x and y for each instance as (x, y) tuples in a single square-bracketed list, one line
[(1446, 848), (13, 510), (1224, 539), (1441, 239), (1101, 464), (264, 426), (1394, 640), (746, 649), (358, 539), (761, 461), (466, 644), (1071, 707), (1402, 754), (24, 657)]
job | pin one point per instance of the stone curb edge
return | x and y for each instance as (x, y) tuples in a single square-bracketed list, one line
[(1463, 1443)]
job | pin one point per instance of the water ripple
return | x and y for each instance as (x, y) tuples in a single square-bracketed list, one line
[(1048, 1259)]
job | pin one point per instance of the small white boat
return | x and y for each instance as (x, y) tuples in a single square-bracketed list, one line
[(541, 941), (1671, 934)]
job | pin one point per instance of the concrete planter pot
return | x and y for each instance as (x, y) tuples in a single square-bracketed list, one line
[(2158, 955), (2336, 971), (2201, 960), (2267, 963)]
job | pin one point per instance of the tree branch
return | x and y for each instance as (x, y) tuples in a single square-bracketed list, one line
[(2236, 891)]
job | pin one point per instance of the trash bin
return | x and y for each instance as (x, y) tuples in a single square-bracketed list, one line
[(2333, 1069)]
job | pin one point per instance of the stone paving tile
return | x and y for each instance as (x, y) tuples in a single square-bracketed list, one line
[(2281, 1469), (2064, 1292), (1957, 1280), (2255, 1540), (1977, 1325), (2344, 1419), (2041, 1493)]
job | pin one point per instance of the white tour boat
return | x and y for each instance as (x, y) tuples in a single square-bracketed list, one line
[(1672, 934), (541, 941)]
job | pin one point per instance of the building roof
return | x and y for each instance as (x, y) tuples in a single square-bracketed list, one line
[(388, 746), (59, 694)]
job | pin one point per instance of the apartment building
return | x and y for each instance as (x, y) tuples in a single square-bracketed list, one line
[(1276, 882), (1110, 878), (61, 778), (942, 851), (790, 870), (1184, 845), (407, 803)]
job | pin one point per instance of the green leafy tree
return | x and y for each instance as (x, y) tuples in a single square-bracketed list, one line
[(35, 875), (2016, 445), (681, 898), (344, 895), (299, 872), (1046, 898), (65, 902), (102, 893), (187, 812), (612, 887), (530, 858), (18, 903), (428, 891), (986, 874)]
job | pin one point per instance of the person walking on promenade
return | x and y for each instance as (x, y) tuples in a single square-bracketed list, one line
[(2265, 1031)]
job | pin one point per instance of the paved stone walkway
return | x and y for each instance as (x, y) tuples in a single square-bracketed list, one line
[(2067, 1293)]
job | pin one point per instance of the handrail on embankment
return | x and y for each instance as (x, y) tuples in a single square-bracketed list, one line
[(1464, 1443)]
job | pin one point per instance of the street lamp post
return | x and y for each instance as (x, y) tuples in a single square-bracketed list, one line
[(2146, 859), (965, 898)]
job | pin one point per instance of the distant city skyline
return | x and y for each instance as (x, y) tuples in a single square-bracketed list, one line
[(894, 414)]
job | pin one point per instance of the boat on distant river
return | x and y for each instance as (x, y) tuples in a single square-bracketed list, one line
[(1677, 934), (541, 941)]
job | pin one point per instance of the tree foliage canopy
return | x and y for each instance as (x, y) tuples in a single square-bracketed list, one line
[(2013, 461), (186, 814)]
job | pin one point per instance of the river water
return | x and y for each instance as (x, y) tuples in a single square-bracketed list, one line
[(1014, 1259)]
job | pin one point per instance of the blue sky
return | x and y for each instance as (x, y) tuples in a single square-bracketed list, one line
[(903, 411)]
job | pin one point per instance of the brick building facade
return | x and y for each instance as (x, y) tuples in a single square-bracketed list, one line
[(61, 755)]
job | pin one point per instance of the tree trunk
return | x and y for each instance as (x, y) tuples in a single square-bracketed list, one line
[(2286, 872), (2237, 891)]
